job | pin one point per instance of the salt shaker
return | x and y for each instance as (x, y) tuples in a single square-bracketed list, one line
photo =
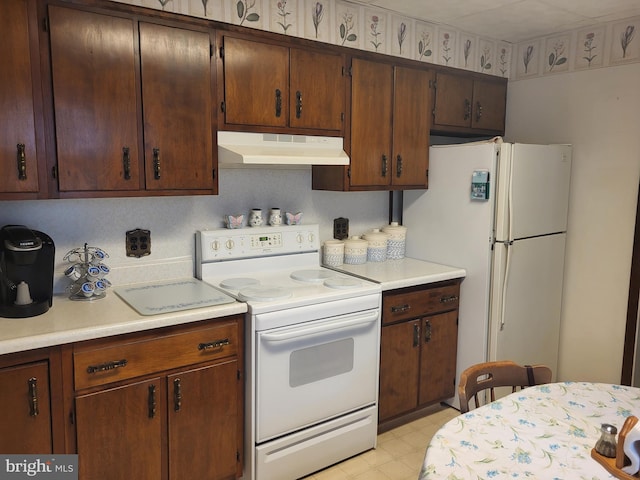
[(606, 444)]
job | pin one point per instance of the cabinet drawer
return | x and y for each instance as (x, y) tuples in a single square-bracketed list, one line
[(416, 303), (103, 362)]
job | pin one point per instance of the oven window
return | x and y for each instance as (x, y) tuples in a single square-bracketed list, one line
[(316, 363)]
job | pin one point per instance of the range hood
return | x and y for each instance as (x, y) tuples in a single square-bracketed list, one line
[(271, 150)]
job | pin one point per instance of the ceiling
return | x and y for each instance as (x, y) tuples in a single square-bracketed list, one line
[(511, 20)]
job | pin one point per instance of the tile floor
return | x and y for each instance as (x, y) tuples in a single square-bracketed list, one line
[(399, 453)]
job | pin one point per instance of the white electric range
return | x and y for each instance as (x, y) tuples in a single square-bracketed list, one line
[(312, 348)]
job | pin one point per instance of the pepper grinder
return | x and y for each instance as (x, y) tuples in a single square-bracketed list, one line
[(606, 444)]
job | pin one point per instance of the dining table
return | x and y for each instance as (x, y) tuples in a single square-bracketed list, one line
[(540, 432)]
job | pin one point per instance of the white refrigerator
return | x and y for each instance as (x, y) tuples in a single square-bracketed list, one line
[(498, 210)]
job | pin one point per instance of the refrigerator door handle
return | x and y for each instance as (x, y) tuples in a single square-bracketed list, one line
[(505, 281)]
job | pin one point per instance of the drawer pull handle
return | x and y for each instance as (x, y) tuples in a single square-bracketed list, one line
[(400, 308), (126, 163), (152, 401), (278, 102), (103, 367), (298, 104), (156, 163), (214, 344), (33, 397), (449, 299), (177, 394)]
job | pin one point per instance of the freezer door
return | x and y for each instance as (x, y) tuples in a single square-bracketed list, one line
[(526, 298), (533, 190)]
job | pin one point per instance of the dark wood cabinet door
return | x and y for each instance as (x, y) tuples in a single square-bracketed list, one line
[(317, 96), (119, 432), (453, 100), (25, 416), (177, 107), (489, 105), (256, 83), (203, 417), (18, 154), (93, 66), (438, 357), (371, 110), (399, 357), (411, 126)]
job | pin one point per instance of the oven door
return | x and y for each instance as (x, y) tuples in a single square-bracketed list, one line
[(314, 371)]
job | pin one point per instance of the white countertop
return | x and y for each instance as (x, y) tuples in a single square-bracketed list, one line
[(73, 321), (406, 272)]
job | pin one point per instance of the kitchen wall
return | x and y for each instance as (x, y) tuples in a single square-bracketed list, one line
[(173, 220), (597, 112)]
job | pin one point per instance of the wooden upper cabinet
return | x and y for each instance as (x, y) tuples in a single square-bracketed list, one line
[(317, 96), (177, 107), (411, 126), (390, 120), (93, 64), (18, 149), (117, 81), (467, 104), (489, 105), (268, 85), (256, 83), (371, 110)]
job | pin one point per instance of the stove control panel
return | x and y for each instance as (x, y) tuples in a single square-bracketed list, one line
[(232, 244)]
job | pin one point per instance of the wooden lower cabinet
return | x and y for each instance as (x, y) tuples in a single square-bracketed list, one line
[(161, 405), (418, 348), (25, 416)]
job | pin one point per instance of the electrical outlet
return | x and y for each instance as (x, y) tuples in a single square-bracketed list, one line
[(138, 242), (340, 228)]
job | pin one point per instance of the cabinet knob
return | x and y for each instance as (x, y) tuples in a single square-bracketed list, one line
[(33, 397), (22, 162), (298, 104), (126, 163), (156, 163), (478, 111), (427, 331), (152, 401), (278, 102), (177, 394)]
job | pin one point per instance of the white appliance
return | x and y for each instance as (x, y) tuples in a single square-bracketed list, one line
[(312, 348), (510, 239)]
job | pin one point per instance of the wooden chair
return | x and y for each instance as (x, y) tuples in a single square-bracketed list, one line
[(490, 375)]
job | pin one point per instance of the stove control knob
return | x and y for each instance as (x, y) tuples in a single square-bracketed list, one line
[(311, 237), (299, 238), (215, 245), (229, 244)]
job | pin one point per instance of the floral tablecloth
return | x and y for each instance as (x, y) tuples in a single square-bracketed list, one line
[(541, 432)]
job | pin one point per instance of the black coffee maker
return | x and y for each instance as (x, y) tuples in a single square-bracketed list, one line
[(26, 272)]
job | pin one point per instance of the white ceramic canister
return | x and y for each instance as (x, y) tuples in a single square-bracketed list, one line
[(397, 240), (377, 248), (355, 251), (333, 253)]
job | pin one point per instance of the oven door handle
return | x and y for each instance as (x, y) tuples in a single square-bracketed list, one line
[(325, 327)]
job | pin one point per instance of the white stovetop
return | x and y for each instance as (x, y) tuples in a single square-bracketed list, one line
[(72, 321), (406, 272)]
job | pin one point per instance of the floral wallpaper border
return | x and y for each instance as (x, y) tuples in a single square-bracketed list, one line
[(602, 45), (363, 27)]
